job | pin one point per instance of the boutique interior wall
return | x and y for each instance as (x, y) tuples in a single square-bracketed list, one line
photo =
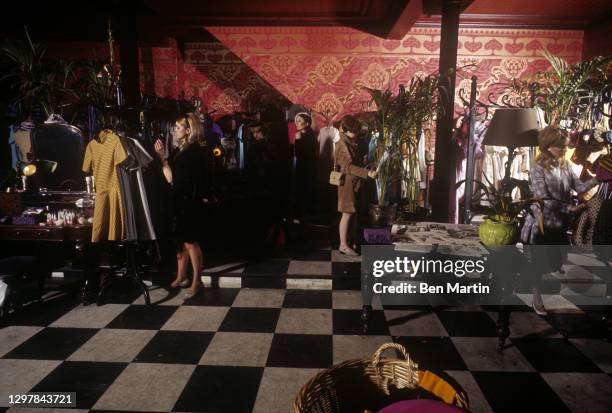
[(325, 68)]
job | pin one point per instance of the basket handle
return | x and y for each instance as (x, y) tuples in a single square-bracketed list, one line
[(387, 346)]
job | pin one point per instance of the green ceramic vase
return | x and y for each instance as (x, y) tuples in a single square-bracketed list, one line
[(497, 230)]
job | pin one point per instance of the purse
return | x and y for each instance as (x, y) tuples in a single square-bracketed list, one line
[(336, 178)]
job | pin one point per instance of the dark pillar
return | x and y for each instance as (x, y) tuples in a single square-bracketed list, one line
[(128, 52), (444, 166)]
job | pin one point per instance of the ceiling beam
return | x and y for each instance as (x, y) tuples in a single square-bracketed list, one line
[(411, 13), (492, 21)]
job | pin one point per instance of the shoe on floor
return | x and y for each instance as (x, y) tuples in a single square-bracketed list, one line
[(190, 294), (348, 251)]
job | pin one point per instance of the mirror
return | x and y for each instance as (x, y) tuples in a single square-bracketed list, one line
[(63, 144)]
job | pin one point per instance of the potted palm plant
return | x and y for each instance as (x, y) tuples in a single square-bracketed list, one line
[(566, 93), (41, 81), (396, 127), (384, 154)]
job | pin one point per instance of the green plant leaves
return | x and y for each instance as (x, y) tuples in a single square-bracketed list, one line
[(567, 91), (396, 126), (44, 82)]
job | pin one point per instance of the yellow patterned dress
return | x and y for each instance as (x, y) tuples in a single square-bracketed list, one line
[(102, 156)]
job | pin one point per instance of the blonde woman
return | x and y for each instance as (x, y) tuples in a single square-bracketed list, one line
[(551, 180), (185, 171)]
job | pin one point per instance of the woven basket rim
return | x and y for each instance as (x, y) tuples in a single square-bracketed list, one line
[(385, 364)]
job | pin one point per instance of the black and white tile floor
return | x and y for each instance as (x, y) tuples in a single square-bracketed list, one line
[(250, 349)]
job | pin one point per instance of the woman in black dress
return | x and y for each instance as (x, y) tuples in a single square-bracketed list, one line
[(185, 171), (305, 165)]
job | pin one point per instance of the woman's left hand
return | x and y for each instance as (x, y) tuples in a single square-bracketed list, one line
[(159, 149)]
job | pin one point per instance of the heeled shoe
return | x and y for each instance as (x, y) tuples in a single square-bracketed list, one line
[(348, 251), (190, 294), (184, 283)]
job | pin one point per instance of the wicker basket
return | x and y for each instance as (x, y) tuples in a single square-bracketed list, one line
[(373, 383)]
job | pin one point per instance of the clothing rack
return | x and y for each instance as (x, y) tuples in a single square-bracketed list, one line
[(131, 271), (92, 291), (524, 97)]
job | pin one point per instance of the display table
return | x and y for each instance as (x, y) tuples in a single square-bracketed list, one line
[(448, 243), (78, 233), (74, 241)]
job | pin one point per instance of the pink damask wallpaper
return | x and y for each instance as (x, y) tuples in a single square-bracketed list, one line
[(206, 70), (325, 68)]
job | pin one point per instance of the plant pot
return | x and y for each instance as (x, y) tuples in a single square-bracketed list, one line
[(498, 230), (384, 215), (419, 214)]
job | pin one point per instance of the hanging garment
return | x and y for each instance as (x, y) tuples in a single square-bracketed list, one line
[(138, 223), (20, 141), (23, 140), (328, 136), (229, 160), (603, 171), (583, 236), (15, 158), (461, 138), (494, 164), (241, 145), (594, 225), (102, 156)]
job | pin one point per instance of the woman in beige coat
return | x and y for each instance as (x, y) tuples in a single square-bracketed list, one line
[(349, 160)]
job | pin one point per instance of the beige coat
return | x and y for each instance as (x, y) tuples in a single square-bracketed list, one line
[(349, 161)]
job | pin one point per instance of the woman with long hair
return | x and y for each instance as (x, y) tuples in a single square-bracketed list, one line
[(552, 180), (349, 159), (185, 170)]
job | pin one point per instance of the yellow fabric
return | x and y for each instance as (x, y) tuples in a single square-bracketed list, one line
[(437, 386), (102, 156)]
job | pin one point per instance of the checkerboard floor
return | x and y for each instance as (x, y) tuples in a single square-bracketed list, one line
[(250, 349)]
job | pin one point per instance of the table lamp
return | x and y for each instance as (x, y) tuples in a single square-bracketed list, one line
[(512, 128), (28, 169)]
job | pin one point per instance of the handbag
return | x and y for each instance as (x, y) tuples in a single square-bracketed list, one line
[(336, 178)]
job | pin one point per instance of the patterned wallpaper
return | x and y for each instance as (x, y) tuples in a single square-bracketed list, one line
[(326, 67), (207, 70)]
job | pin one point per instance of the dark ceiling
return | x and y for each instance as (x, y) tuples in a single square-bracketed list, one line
[(185, 20)]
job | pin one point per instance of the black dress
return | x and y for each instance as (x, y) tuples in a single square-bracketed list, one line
[(189, 186), (305, 172)]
